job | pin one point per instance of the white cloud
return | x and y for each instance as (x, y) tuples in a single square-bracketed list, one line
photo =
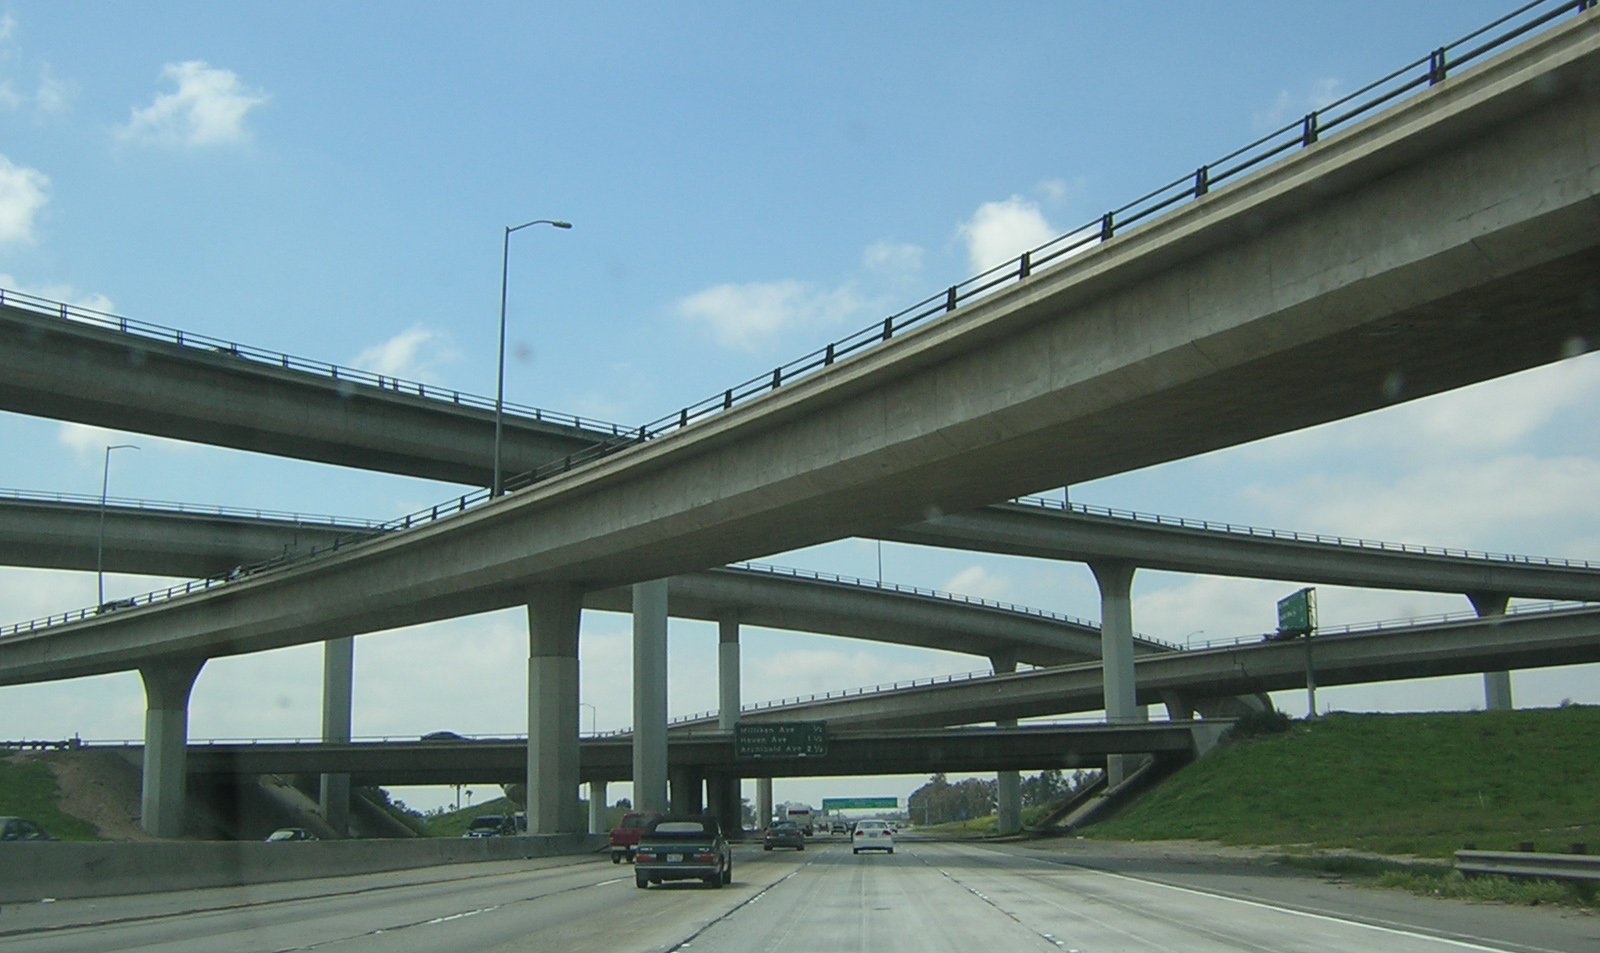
[(207, 109), (53, 93), (750, 316), (1463, 504), (980, 582), (59, 292), (1289, 106), (23, 192), (893, 260), (1000, 231), (412, 353)]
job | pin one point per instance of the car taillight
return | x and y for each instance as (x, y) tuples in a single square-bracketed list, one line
[(706, 857), (642, 855)]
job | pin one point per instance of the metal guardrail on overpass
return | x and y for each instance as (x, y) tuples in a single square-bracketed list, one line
[(1324, 539), (353, 523), (881, 690), (289, 362)]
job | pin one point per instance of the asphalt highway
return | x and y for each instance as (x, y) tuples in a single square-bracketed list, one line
[(928, 896)]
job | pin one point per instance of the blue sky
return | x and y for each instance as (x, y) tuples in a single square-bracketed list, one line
[(745, 182)]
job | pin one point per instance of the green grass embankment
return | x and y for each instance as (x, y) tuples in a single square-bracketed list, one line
[(454, 823), (28, 789), (1422, 785)]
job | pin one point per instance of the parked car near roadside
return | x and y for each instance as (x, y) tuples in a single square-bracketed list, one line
[(20, 828), (490, 825), (784, 834), (683, 847), (290, 833)]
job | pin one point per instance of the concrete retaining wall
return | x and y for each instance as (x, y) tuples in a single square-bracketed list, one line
[(34, 871)]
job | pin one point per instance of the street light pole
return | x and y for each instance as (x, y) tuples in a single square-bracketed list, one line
[(497, 488), (593, 714), (100, 541)]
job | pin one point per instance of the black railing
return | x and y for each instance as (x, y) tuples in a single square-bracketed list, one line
[(349, 376), (1289, 535)]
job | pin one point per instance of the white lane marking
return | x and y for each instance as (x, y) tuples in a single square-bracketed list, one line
[(459, 916), (1326, 918), (604, 883)]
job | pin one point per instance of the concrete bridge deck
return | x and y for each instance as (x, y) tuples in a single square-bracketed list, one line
[(1449, 239), (1518, 640), (155, 540), (850, 753), (126, 375)]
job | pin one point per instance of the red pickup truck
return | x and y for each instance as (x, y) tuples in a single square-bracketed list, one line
[(625, 836)]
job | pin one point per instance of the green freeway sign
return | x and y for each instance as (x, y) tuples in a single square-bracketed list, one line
[(831, 804), (789, 739), (1297, 613)]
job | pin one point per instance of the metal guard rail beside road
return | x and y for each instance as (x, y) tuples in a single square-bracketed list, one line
[(1506, 863), (288, 362), (1419, 74), (1353, 542)]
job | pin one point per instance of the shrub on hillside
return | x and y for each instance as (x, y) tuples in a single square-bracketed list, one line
[(1259, 724)]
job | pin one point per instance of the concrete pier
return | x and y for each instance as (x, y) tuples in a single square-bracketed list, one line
[(650, 696), (1496, 685), (166, 737), (554, 614), (338, 682), (1116, 652)]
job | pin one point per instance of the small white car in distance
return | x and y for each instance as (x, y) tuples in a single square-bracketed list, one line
[(871, 835)]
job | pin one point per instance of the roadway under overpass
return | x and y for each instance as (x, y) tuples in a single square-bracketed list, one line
[(1449, 239)]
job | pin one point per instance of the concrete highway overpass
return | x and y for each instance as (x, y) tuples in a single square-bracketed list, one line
[(850, 754), (108, 371), (1448, 239), (1285, 300), (173, 540), (1522, 639)]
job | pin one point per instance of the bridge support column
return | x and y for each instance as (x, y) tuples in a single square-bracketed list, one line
[(1496, 685), (166, 738), (554, 613), (686, 797), (1115, 579), (763, 803), (597, 808), (338, 676), (722, 800), (723, 793), (1007, 784), (650, 696)]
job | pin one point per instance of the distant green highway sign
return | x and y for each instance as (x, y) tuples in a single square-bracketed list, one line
[(1297, 614), (787, 739), (831, 804)]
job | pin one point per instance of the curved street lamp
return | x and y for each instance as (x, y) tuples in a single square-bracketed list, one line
[(497, 488), (100, 541)]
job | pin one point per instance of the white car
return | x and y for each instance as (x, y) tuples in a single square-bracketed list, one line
[(871, 835)]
